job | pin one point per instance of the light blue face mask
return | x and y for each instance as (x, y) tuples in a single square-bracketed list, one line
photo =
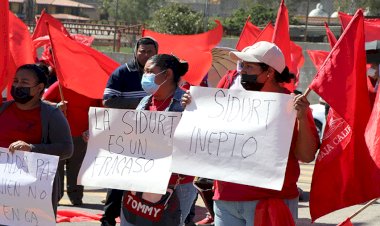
[(148, 84)]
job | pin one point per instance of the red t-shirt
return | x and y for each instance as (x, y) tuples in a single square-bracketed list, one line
[(237, 192), (77, 107), (17, 124), (161, 105)]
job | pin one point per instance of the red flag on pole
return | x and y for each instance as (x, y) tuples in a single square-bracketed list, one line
[(79, 67), (281, 38), (266, 34), (195, 49), (281, 35), (344, 173), (372, 132), (248, 35), (330, 36), (4, 44), (371, 26), (40, 35)]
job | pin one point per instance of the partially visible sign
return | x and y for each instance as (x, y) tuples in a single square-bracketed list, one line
[(26, 181)]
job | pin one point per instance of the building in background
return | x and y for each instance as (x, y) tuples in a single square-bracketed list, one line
[(66, 10)]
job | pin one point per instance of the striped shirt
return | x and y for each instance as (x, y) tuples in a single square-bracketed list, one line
[(125, 82)]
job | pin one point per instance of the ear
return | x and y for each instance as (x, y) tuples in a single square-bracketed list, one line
[(169, 73), (40, 87), (270, 72)]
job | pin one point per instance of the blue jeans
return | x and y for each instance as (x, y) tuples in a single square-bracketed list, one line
[(186, 194), (242, 213)]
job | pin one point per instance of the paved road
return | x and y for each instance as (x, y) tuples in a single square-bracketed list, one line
[(370, 216)]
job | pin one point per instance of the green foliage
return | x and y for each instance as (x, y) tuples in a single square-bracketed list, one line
[(130, 11), (176, 19), (260, 16)]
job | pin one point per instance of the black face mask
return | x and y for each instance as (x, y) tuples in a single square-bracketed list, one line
[(249, 82), (21, 94)]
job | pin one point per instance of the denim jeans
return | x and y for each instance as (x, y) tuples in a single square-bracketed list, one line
[(186, 194), (242, 213)]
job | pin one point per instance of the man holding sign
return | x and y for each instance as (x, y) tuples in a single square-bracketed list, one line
[(235, 203)]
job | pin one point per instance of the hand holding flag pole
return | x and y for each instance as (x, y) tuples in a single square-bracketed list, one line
[(59, 84)]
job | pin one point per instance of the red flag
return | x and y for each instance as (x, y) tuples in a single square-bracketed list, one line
[(344, 172), (297, 60), (79, 67), (20, 42), (281, 35), (347, 222), (372, 132), (318, 57), (85, 40), (4, 44), (371, 26), (195, 49), (20, 48), (266, 34), (330, 36), (40, 35), (281, 38), (248, 35)]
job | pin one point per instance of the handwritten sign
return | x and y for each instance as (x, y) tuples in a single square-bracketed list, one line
[(129, 150), (235, 136), (26, 181)]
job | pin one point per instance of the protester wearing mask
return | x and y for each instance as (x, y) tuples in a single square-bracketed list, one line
[(162, 74), (29, 124), (263, 69), (124, 91)]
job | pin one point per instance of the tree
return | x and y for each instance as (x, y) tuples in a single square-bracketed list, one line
[(260, 16), (176, 19), (130, 11)]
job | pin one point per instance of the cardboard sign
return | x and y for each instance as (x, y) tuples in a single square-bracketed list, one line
[(236, 136), (26, 182), (129, 150)]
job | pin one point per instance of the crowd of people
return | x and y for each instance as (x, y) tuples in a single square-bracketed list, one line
[(39, 119)]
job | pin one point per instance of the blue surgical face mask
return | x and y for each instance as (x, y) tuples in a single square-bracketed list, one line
[(148, 84)]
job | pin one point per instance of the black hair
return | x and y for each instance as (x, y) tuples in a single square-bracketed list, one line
[(147, 41), (167, 61), (284, 76), (37, 70), (44, 67)]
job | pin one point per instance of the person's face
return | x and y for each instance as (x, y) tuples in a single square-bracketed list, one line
[(160, 75), (249, 68), (26, 78), (144, 52)]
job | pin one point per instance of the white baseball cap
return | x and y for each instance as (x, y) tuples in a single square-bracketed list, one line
[(262, 52)]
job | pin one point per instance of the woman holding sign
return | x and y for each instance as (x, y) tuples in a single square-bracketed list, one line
[(29, 124), (263, 69), (162, 74)]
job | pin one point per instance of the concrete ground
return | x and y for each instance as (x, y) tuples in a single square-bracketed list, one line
[(370, 216)]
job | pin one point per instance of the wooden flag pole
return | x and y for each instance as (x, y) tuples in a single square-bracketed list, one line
[(55, 65), (307, 91), (62, 98), (363, 208)]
